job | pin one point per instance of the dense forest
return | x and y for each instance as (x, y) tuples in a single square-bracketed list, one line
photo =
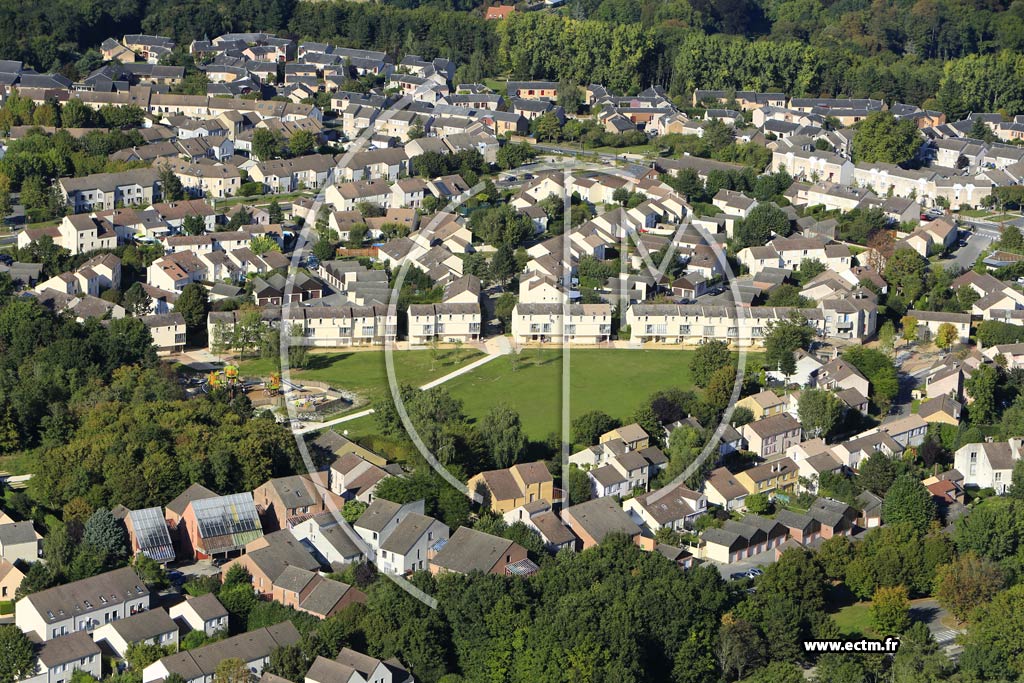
[(957, 55)]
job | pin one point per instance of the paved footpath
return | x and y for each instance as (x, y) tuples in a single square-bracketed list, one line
[(495, 347)]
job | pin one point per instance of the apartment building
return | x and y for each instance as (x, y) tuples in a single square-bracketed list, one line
[(544, 323)]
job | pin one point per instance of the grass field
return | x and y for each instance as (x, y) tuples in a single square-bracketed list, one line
[(854, 620), (364, 372), (615, 381)]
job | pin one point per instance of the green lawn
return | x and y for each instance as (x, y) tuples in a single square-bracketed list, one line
[(974, 213), (999, 218), (615, 381), (855, 620), (365, 373)]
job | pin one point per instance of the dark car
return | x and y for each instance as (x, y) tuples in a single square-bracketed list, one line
[(736, 576)]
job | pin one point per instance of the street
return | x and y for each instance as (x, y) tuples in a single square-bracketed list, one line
[(984, 234)]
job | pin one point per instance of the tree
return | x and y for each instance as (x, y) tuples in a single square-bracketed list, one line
[(758, 227), (890, 610), (193, 304), (578, 485), (880, 372), (588, 427), (881, 137), (740, 648), (876, 473), (170, 185), (352, 510), (151, 571), (288, 662), (887, 337), (907, 500), (967, 583), (906, 271), (275, 213), (301, 143), (104, 532), (707, 358), (819, 411), (982, 387), (777, 672), (982, 131), (502, 432), (758, 503), (193, 224), (266, 144), (503, 265), (909, 328), (142, 654), (261, 244), (995, 641), (782, 339), (17, 654), (232, 670), (834, 555), (946, 336), (512, 155), (5, 196), (720, 388)]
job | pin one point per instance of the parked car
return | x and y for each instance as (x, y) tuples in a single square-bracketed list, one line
[(755, 572), (736, 576)]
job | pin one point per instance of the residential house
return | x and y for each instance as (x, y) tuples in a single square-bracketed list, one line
[(151, 627), (167, 330), (58, 659), (674, 507), (771, 436), (406, 548), (381, 517), (100, 191), (988, 464), (82, 605), (201, 613), (200, 664), (148, 534), (763, 404), (19, 542), (268, 556), (771, 478), (632, 435), (722, 488), (284, 500), (540, 517), (595, 519), (354, 477), (507, 489), (218, 526), (469, 550), (354, 667), (329, 539)]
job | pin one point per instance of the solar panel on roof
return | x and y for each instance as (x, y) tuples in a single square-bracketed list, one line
[(151, 534), (226, 515)]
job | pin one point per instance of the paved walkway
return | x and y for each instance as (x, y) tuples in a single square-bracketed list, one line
[(495, 348), (461, 371), (317, 426)]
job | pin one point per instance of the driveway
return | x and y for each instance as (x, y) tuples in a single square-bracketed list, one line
[(760, 560), (984, 235)]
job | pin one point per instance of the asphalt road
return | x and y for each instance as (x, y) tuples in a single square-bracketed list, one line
[(984, 235)]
